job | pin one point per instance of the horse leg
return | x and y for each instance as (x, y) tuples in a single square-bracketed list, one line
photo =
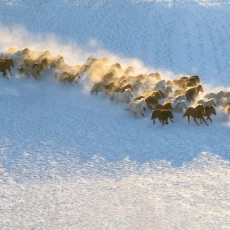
[(188, 119), (35, 77), (162, 123), (4, 73), (195, 120), (171, 119), (204, 120), (27, 75), (166, 122), (209, 118)]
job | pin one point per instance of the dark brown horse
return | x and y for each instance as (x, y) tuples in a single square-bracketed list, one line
[(196, 112), (8, 60), (185, 82), (191, 81), (192, 93), (209, 110), (5, 65), (163, 115)]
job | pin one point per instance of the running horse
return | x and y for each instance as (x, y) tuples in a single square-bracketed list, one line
[(6, 64)]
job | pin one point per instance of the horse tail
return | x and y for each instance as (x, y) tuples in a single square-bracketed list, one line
[(185, 114), (112, 97), (153, 114)]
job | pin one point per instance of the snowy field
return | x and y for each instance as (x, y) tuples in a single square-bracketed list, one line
[(69, 160)]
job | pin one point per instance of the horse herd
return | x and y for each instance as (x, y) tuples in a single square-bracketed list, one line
[(140, 92)]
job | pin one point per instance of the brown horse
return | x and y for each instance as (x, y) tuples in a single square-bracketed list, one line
[(33, 62), (196, 112), (10, 64), (157, 93), (192, 93), (71, 78), (151, 101), (123, 88), (179, 92), (166, 105), (8, 60), (185, 82), (3, 67), (163, 115), (194, 76), (209, 110), (191, 81), (138, 98), (98, 87), (226, 108)]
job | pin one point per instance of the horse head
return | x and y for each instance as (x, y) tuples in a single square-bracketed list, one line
[(213, 110), (199, 88)]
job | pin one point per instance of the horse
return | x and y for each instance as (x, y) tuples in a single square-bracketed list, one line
[(166, 90), (5, 65), (30, 69), (190, 81), (208, 102), (209, 110), (193, 92), (157, 93), (163, 115), (179, 92), (167, 105), (98, 87), (123, 88), (33, 62), (179, 106), (226, 108), (150, 101), (8, 60), (71, 78), (129, 70), (122, 97), (196, 112), (185, 82), (137, 108)]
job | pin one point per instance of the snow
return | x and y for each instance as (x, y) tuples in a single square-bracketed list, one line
[(72, 160)]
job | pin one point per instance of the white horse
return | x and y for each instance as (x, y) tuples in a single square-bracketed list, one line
[(124, 97), (166, 90), (179, 106), (209, 102), (137, 108)]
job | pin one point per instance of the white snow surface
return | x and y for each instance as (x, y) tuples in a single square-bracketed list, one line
[(70, 160)]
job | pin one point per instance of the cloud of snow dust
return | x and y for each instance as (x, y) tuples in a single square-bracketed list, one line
[(19, 37)]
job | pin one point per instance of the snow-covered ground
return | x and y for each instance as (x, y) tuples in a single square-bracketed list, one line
[(72, 160)]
